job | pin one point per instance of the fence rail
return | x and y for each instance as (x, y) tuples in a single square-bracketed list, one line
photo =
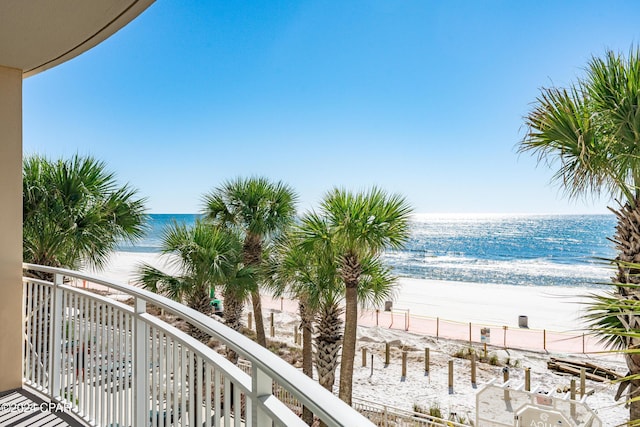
[(118, 364)]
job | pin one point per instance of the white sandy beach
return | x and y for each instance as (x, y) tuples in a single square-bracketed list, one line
[(555, 309), (552, 308)]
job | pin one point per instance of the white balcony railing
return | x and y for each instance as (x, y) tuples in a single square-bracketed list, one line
[(116, 364)]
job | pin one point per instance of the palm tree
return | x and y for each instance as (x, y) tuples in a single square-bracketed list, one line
[(329, 334), (360, 226), (290, 273), (260, 209), (75, 213), (606, 314), (309, 270), (592, 131), (204, 258), (309, 275)]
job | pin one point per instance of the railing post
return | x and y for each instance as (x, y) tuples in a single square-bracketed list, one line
[(140, 365), (261, 385), (55, 346)]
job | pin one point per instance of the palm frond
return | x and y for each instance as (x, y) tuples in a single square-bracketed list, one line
[(592, 129), (80, 202)]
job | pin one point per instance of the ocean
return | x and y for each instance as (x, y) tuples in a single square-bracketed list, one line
[(524, 250)]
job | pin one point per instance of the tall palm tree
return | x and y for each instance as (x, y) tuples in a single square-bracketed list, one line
[(260, 209), (75, 213), (591, 130), (289, 272), (360, 226), (309, 275), (310, 271), (204, 257)]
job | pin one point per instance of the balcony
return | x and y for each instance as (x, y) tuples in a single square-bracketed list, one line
[(111, 362)]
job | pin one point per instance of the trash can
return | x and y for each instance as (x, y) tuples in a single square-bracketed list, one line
[(388, 305), (523, 322)]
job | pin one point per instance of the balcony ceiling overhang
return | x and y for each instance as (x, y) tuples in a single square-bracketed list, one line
[(36, 35)]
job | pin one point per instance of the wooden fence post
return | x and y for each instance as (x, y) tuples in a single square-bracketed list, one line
[(527, 379), (505, 378), (437, 327), (504, 338), (450, 376), (573, 397), (404, 366), (426, 361), (473, 370), (364, 356), (583, 374), (469, 334), (387, 350), (273, 329), (249, 320)]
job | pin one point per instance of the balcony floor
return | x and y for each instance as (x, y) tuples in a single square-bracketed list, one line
[(20, 408)]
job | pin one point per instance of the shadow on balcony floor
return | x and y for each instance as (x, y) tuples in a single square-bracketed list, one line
[(21, 407)]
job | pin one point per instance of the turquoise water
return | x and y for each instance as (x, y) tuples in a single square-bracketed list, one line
[(529, 250)]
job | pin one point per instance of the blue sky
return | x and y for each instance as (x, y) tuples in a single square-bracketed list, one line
[(424, 98)]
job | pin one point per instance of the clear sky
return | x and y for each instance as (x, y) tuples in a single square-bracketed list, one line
[(425, 98)]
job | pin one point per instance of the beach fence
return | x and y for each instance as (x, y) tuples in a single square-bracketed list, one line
[(460, 375), (379, 414), (501, 336)]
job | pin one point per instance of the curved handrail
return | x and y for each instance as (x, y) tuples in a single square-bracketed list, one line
[(325, 405)]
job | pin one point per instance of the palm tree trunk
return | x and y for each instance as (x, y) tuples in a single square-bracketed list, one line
[(328, 344), (252, 253), (627, 241), (232, 314), (306, 316), (201, 303), (349, 344), (256, 302), (351, 271)]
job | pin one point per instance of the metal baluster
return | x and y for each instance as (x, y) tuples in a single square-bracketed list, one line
[(129, 369), (217, 402), (207, 395), (28, 300), (197, 393), (117, 342), (162, 380), (46, 345), (86, 348), (36, 321), (102, 367), (67, 367), (154, 380), (92, 366), (227, 401), (175, 397), (183, 382), (237, 406)]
